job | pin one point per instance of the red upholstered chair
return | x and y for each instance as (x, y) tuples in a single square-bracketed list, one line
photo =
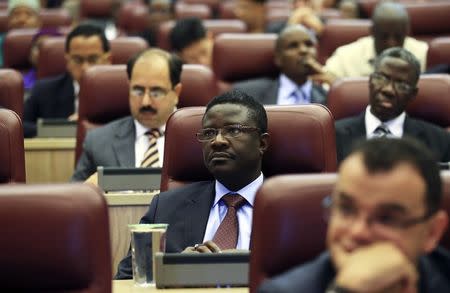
[(52, 62), (215, 26), (430, 19), (226, 10), (132, 17), (12, 156), (438, 52), (302, 140), (11, 91), (96, 9), (289, 208), (56, 240), (16, 48), (183, 10), (350, 96), (212, 4), (104, 95), (50, 18), (252, 56), (339, 32)]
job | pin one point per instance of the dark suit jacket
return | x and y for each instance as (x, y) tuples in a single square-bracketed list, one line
[(111, 145), (316, 276), (186, 210), (265, 90), (350, 130), (50, 98)]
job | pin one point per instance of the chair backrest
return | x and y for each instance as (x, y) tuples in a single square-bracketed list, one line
[(12, 155), (11, 91), (184, 10), (104, 95), (339, 32), (68, 249), (132, 17), (252, 56), (289, 209), (16, 48), (429, 20), (96, 9), (52, 61), (350, 96), (302, 140), (215, 26), (439, 52), (51, 18)]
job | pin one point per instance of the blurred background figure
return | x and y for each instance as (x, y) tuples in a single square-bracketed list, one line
[(159, 12), (29, 77), (192, 42), (21, 14), (252, 13)]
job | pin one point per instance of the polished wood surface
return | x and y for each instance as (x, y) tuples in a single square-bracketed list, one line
[(124, 209), (123, 286), (49, 160)]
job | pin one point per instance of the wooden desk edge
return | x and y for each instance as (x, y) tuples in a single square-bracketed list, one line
[(49, 143), (132, 199)]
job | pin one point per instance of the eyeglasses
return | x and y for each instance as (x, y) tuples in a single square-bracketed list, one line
[(349, 213), (91, 59), (154, 92), (381, 80), (228, 131)]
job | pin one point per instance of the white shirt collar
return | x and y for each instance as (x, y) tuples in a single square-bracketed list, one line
[(141, 129), (76, 88), (248, 191), (395, 125), (287, 86)]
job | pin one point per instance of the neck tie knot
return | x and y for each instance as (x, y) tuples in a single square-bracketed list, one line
[(153, 133), (382, 131), (234, 200)]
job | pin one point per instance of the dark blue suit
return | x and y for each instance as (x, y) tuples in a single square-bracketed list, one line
[(50, 98), (316, 276), (186, 210)]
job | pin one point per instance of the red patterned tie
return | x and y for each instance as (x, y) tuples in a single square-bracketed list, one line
[(226, 236)]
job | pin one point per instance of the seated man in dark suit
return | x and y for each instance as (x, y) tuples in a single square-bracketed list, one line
[(295, 55), (57, 97), (234, 138), (385, 224), (136, 140), (391, 87)]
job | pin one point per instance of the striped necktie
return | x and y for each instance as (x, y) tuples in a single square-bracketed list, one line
[(151, 156)]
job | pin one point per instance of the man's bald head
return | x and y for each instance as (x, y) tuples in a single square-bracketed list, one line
[(390, 25)]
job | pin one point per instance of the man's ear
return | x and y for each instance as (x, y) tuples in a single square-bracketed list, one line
[(177, 90), (264, 143), (437, 226)]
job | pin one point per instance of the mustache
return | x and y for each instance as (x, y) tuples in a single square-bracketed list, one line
[(149, 109)]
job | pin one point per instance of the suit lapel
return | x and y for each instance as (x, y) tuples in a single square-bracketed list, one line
[(270, 96), (196, 213), (123, 144), (318, 95), (411, 129), (354, 132)]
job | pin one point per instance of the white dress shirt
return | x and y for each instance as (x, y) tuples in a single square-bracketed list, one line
[(395, 125), (244, 214), (142, 142)]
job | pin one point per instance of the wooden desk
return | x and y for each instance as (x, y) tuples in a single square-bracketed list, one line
[(126, 286), (124, 209), (49, 160)]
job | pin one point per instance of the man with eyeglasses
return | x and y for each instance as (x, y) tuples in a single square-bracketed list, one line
[(384, 226), (216, 215), (392, 86), (57, 97), (136, 140)]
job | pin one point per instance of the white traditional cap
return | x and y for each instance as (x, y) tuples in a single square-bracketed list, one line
[(33, 4)]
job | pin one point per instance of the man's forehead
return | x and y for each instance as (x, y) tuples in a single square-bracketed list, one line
[(228, 111)]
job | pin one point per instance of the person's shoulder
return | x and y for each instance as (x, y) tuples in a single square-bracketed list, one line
[(110, 129), (429, 127), (435, 268), (414, 44), (254, 82), (187, 189), (313, 276), (345, 122), (53, 81), (361, 43)]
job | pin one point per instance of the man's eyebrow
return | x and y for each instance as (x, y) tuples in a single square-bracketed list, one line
[(392, 207)]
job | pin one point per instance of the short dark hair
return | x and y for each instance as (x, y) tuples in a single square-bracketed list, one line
[(405, 55), (384, 154), (88, 30), (289, 28), (173, 61), (186, 32), (255, 109)]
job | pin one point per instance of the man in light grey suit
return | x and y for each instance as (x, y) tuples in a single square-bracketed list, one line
[(295, 55), (154, 90)]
